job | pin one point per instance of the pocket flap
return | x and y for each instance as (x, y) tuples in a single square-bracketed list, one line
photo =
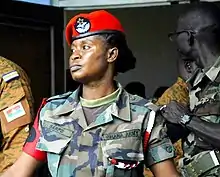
[(54, 137)]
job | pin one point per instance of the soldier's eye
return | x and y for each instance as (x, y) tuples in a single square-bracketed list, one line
[(86, 47), (188, 65), (73, 50)]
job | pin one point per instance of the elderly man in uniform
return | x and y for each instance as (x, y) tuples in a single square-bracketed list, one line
[(198, 38), (16, 111), (99, 129)]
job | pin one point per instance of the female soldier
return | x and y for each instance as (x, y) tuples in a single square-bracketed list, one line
[(97, 130)]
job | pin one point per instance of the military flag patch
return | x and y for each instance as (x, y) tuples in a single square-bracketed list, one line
[(14, 112), (10, 76)]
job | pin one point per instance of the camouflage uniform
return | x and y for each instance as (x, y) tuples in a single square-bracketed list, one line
[(110, 146), (177, 92), (14, 88), (204, 103)]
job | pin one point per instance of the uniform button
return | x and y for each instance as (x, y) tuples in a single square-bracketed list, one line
[(26, 128)]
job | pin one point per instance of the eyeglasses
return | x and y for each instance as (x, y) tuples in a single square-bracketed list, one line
[(173, 36), (191, 33)]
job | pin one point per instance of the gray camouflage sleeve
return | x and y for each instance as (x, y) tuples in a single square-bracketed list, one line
[(160, 147)]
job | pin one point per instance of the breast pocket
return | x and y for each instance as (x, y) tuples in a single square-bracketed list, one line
[(54, 137), (125, 148), (54, 140)]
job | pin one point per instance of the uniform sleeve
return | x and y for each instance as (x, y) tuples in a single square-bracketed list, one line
[(31, 142), (15, 102), (160, 147), (15, 116)]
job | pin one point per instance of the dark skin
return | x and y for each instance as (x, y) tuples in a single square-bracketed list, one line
[(208, 131), (204, 54), (92, 64), (186, 68), (200, 46)]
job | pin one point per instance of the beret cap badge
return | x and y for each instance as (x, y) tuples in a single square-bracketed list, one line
[(82, 25)]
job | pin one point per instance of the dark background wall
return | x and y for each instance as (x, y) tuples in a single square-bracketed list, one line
[(25, 38)]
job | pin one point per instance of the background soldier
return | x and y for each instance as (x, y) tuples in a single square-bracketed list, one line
[(16, 111), (198, 38)]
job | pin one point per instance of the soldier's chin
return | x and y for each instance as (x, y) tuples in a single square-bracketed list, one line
[(81, 79)]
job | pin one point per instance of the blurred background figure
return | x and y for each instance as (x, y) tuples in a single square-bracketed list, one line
[(158, 93), (136, 88)]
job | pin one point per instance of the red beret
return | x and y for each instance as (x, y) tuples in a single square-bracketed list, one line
[(97, 22)]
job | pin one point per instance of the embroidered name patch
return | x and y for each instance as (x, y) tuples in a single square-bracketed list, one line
[(56, 128), (119, 135), (10, 76), (14, 112)]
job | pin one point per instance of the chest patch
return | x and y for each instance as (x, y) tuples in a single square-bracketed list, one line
[(120, 135)]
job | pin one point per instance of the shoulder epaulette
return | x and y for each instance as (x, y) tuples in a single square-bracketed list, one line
[(137, 100)]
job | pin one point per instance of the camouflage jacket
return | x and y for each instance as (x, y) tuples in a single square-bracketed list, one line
[(204, 103), (16, 111), (109, 146)]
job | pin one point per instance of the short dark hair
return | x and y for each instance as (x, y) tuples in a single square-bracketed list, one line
[(126, 60), (136, 88), (160, 91)]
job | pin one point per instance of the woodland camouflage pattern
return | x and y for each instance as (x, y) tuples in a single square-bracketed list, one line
[(204, 93), (11, 143), (77, 150)]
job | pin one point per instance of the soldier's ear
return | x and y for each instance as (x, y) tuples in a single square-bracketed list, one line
[(112, 54)]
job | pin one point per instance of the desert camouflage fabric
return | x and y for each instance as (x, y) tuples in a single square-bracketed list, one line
[(177, 92), (109, 146), (205, 104), (11, 142)]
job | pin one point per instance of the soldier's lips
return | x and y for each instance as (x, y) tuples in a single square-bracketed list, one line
[(75, 68)]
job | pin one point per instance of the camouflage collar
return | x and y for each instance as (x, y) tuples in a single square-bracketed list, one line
[(211, 73), (214, 70), (119, 109), (195, 79)]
